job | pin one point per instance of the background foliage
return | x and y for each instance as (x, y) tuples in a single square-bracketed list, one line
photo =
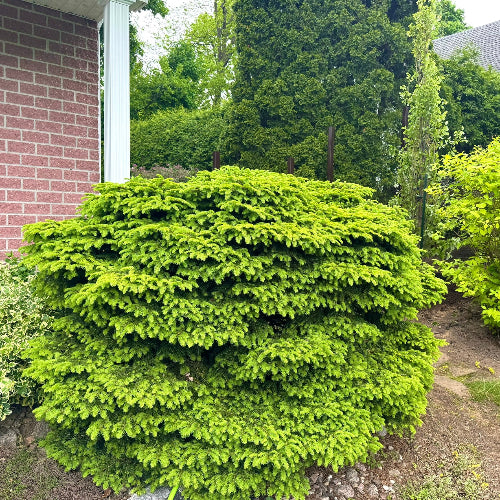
[(229, 331), (468, 198), (22, 318)]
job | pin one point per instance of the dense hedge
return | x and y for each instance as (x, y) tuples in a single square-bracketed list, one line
[(22, 318), (187, 138), (229, 332), (467, 199)]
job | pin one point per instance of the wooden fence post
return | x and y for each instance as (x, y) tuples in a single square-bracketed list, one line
[(216, 160), (291, 165)]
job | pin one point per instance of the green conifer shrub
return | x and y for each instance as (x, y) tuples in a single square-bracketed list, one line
[(229, 332)]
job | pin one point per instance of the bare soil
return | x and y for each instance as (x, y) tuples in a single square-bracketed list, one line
[(454, 425)]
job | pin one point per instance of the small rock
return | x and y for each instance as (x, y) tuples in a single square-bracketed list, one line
[(360, 487), (382, 432), (345, 490), (314, 478), (361, 467), (372, 491), (40, 430), (8, 438), (352, 475), (159, 494)]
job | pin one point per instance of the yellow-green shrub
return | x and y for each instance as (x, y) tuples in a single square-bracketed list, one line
[(229, 332)]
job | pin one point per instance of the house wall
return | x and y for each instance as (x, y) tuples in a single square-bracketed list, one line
[(49, 116)]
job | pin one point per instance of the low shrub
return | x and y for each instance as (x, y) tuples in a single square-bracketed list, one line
[(467, 193), (22, 318), (228, 332)]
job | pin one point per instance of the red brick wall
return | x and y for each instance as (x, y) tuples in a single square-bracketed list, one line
[(49, 109)]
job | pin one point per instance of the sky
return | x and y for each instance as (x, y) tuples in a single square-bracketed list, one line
[(153, 31)]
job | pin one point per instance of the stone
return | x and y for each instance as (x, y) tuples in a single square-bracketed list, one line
[(352, 475), (382, 432), (394, 473), (314, 478), (345, 490), (8, 438), (372, 491), (452, 385), (159, 494), (40, 430)]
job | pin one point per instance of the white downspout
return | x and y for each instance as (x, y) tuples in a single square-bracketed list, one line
[(116, 91)]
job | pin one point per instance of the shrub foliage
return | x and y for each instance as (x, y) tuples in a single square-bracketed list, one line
[(230, 331), (468, 204), (22, 318)]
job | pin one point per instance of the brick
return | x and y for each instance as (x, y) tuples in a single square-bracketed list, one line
[(47, 33), (19, 171), (65, 209), (11, 85), (3, 194), (18, 3), (75, 175), (10, 109), (12, 61), (35, 160), (86, 32), (33, 17), (75, 130), (61, 48), (18, 26), (3, 145), (63, 186), (92, 44), (36, 66), (49, 150), (75, 85), (16, 98), (9, 36), (49, 126), (89, 165), (88, 144), (33, 89), (84, 187), (49, 173), (76, 41), (94, 154), (18, 195), (61, 71), (15, 244), (40, 137), (63, 140), (88, 55), (10, 232), (18, 50), (11, 208), (8, 133), (87, 121), (32, 41), (18, 74), (75, 198), (11, 183), (21, 220), (72, 107), (93, 100), (51, 81), (93, 89), (62, 163), (86, 76), (80, 154), (49, 57), (3, 170), (36, 184), (36, 208), (53, 104), (21, 123), (3, 219), (93, 111), (56, 116), (95, 176), (49, 197), (38, 114), (65, 95), (71, 62), (12, 12), (10, 159), (21, 147), (93, 67), (60, 25)]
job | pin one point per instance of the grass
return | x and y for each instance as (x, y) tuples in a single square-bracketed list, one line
[(18, 474), (485, 390), (460, 477)]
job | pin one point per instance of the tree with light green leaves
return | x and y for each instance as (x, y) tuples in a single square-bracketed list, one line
[(451, 18), (427, 129)]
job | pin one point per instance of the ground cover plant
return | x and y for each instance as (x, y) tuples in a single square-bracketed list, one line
[(22, 317), (467, 194), (228, 332)]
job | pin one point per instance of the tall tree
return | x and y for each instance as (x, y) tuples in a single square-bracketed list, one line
[(451, 18), (213, 35), (303, 66), (427, 129)]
